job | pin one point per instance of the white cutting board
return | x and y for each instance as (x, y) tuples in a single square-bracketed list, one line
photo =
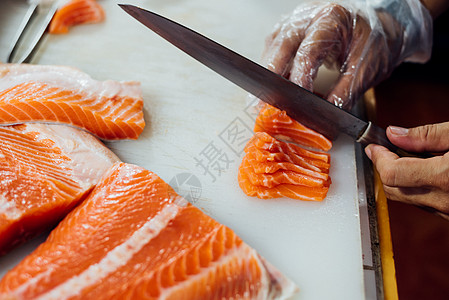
[(192, 114)]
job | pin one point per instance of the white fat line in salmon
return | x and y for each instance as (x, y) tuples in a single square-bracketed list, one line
[(26, 155), (119, 112), (115, 259), (243, 253)]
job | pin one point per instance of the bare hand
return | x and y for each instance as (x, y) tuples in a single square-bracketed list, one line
[(423, 182)]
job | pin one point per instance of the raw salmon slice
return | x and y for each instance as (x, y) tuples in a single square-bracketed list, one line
[(270, 180), (266, 156), (45, 171), (135, 238), (278, 124), (76, 12), (263, 140), (299, 192), (288, 151), (266, 162), (54, 94)]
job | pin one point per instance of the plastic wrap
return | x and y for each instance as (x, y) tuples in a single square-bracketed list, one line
[(364, 39)]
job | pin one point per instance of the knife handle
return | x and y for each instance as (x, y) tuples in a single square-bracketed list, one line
[(376, 135)]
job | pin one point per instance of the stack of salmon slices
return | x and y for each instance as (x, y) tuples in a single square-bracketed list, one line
[(272, 168)]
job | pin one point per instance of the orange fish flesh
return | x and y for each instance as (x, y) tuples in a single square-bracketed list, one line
[(279, 177), (272, 169), (54, 94), (135, 238), (272, 162), (282, 151), (278, 124), (76, 12), (263, 140), (45, 171), (293, 191)]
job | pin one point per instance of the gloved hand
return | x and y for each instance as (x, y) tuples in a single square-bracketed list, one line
[(423, 182), (364, 39)]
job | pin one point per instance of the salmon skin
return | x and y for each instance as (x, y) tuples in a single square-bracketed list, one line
[(45, 171), (76, 12), (278, 124), (110, 110), (273, 169), (135, 238)]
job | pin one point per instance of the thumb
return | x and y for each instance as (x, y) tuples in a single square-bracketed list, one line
[(432, 137)]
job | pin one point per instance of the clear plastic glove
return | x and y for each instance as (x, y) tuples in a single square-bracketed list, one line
[(423, 182), (364, 39)]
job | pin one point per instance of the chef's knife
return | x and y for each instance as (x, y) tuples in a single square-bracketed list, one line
[(299, 103)]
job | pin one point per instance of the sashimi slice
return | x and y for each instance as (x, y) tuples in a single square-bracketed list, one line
[(278, 124), (135, 238), (263, 140), (266, 156), (45, 171), (264, 164), (299, 192), (270, 180), (54, 94), (76, 12)]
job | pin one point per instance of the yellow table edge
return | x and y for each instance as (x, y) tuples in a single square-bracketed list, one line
[(385, 242), (383, 219)]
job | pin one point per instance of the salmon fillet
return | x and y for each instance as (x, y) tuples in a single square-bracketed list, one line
[(76, 12), (272, 169), (54, 94), (45, 171), (135, 238), (278, 124)]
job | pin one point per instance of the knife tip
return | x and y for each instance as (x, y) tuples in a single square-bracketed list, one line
[(124, 6), (127, 8)]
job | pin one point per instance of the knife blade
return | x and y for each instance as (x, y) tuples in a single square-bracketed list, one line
[(299, 103)]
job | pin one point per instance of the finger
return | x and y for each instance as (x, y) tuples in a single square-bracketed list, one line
[(280, 52), (323, 39), (269, 40), (423, 197), (350, 84), (431, 138), (282, 44), (359, 69), (407, 171)]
